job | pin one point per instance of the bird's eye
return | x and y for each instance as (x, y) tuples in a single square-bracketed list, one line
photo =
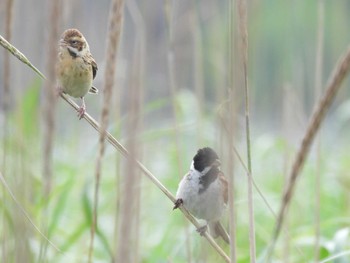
[(74, 42)]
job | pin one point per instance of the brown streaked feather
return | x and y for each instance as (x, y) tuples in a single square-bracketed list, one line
[(224, 182), (69, 33), (90, 60)]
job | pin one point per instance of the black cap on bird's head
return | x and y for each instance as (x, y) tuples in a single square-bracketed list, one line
[(205, 157)]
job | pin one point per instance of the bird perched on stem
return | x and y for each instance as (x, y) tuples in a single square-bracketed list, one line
[(204, 192), (75, 67)]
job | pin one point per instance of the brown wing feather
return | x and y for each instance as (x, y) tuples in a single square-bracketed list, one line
[(225, 185), (89, 59)]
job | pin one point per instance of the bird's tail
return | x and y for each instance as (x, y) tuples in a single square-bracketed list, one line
[(93, 90), (216, 229)]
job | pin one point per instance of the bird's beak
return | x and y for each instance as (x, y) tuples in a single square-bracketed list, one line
[(216, 163)]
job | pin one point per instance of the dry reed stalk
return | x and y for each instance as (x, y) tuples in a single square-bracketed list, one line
[(7, 66), (118, 146), (18, 54), (129, 223), (50, 96), (171, 9), (49, 109), (198, 70), (318, 84), (127, 251), (334, 83), (231, 180), (126, 154), (242, 22), (231, 109), (140, 47), (5, 104), (172, 82), (114, 33)]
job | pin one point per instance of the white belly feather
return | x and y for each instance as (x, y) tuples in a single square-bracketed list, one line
[(209, 204)]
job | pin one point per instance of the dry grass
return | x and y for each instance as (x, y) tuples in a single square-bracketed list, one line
[(114, 33), (49, 109), (6, 103), (242, 22), (188, 68), (336, 79)]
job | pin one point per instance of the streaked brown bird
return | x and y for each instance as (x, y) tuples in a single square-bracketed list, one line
[(75, 68)]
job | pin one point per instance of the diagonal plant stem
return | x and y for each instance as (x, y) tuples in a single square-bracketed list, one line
[(117, 145), (143, 168), (334, 83), (14, 51)]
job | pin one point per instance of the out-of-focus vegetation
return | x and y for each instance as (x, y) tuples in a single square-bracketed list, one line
[(282, 50)]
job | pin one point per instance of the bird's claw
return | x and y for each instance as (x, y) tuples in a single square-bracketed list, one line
[(178, 203), (81, 112), (201, 230)]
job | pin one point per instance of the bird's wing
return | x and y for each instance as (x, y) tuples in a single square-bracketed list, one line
[(94, 68), (224, 182), (89, 59)]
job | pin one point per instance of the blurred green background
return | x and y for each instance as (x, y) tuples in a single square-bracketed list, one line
[(182, 108)]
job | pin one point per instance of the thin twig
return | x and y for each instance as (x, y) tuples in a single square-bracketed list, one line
[(6, 98), (144, 170), (339, 73), (49, 108), (114, 32), (242, 15), (133, 198), (14, 51), (230, 130)]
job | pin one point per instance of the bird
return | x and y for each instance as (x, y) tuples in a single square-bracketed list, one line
[(203, 191), (75, 67)]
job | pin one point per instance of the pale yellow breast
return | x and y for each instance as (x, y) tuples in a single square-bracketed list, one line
[(73, 74)]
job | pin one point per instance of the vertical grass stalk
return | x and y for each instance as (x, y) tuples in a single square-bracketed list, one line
[(340, 71), (198, 70), (242, 21), (318, 84), (5, 105), (118, 146), (171, 8), (231, 121), (49, 109), (114, 32)]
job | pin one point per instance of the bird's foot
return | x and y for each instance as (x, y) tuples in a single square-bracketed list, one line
[(201, 230), (81, 112), (178, 203), (82, 109)]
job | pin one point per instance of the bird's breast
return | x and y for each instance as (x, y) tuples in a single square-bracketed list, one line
[(74, 75)]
